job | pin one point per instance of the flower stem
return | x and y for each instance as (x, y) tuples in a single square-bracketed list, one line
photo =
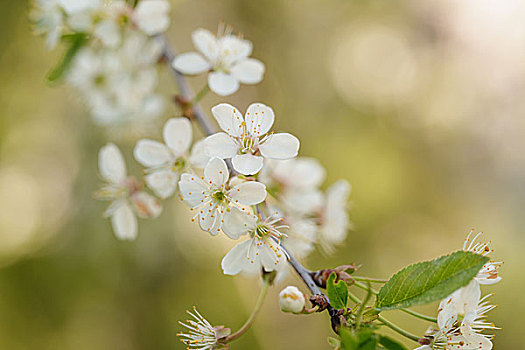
[(369, 279), (251, 319), (387, 322), (408, 311), (200, 95)]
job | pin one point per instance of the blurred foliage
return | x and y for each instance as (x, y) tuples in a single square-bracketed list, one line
[(418, 104)]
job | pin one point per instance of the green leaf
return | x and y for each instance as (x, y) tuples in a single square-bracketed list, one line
[(337, 292), (429, 281), (363, 339), (76, 41), (390, 344)]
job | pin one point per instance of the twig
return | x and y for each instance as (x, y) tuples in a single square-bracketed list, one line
[(185, 90), (209, 128)]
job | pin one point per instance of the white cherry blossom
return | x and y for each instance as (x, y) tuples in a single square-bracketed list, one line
[(489, 272), (334, 217), (246, 140), (226, 57), (261, 251), (201, 334), (127, 198), (165, 162), (214, 200)]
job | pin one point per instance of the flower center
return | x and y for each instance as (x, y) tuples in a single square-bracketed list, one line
[(179, 164), (219, 196)]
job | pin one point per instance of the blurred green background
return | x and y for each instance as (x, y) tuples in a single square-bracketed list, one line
[(420, 105)]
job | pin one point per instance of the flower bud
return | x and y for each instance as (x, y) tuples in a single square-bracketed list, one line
[(291, 300)]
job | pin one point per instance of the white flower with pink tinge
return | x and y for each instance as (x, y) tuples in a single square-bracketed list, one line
[(225, 56), (246, 140), (263, 249), (128, 199), (215, 200)]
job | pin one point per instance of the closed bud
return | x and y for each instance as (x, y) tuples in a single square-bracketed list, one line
[(291, 300)]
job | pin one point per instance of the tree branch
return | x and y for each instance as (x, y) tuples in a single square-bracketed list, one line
[(209, 128)]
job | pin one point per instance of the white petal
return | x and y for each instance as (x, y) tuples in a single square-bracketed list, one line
[(247, 164), (233, 49), (206, 43), (280, 146), (211, 220), (248, 71), (271, 255), (146, 206), (124, 222), (229, 118), (199, 156), (259, 119), (111, 164), (76, 6), (192, 189), (178, 135), (222, 84), (216, 172), (151, 153), (237, 223), (152, 16), (236, 260), (221, 145), (248, 193), (303, 201), (163, 182), (190, 63), (302, 172)]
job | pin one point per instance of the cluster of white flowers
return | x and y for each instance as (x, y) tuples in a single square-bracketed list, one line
[(237, 204), (462, 315), (114, 67), (233, 199)]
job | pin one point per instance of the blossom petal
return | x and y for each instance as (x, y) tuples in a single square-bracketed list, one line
[(124, 222), (206, 43), (199, 156), (247, 164), (163, 182), (190, 63), (303, 201), (211, 220), (152, 16), (178, 135), (221, 145), (237, 223), (271, 255), (222, 84), (146, 206), (259, 119), (192, 189), (248, 193), (216, 172), (111, 164), (233, 49), (151, 153), (280, 146), (229, 118), (236, 260), (248, 71)]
